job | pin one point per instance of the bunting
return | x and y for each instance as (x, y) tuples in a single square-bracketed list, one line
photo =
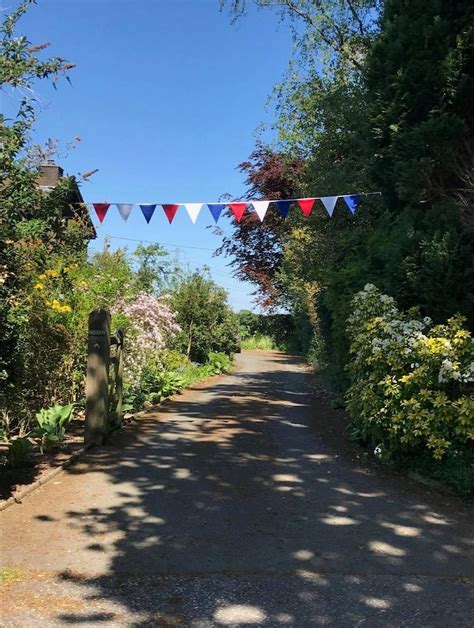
[(306, 206), (237, 208), (124, 209), (193, 210), (216, 209), (148, 210), (101, 209), (170, 211), (329, 203), (352, 201), (261, 208), (283, 207)]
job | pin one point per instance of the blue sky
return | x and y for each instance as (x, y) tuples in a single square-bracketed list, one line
[(166, 98)]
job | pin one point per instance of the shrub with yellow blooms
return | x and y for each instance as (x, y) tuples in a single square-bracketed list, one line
[(411, 381)]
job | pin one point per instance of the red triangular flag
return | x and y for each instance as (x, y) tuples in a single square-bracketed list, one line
[(306, 205), (170, 211), (238, 210), (101, 210)]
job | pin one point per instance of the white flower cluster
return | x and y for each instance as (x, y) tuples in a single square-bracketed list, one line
[(382, 331), (400, 332), (452, 371)]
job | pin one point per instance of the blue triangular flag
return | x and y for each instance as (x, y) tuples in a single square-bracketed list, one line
[(283, 207), (352, 200), (216, 209), (148, 211)]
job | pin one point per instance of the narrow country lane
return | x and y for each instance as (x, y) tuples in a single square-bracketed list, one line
[(230, 507)]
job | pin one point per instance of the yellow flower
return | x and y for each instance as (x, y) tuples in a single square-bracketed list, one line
[(39, 286), (52, 273), (55, 305), (65, 308), (42, 276)]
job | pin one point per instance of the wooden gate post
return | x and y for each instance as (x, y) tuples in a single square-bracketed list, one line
[(97, 381)]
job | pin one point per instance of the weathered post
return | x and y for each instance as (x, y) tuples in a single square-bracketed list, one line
[(97, 381), (116, 415)]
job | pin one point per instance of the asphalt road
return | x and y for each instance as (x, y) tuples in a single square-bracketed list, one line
[(238, 504)]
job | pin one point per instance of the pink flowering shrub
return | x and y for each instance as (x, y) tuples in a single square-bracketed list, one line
[(150, 324)]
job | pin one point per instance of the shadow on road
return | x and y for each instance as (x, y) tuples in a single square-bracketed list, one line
[(230, 510)]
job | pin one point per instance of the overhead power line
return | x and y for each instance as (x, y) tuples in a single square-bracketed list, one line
[(180, 246)]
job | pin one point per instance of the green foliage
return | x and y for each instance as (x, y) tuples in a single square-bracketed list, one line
[(258, 341), (455, 470), (35, 237), (173, 360), (158, 384), (52, 423), (410, 380), (19, 451), (269, 332), (206, 320), (218, 362), (400, 120)]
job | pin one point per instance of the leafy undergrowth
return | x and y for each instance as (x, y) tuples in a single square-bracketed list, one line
[(268, 343), (158, 384), (456, 472), (264, 343)]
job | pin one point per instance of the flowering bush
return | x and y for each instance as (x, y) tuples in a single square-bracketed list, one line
[(150, 325), (412, 381)]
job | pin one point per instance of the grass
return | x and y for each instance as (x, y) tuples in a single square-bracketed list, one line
[(268, 343), (264, 343), (9, 574)]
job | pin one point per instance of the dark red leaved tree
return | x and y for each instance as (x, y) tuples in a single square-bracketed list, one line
[(255, 247)]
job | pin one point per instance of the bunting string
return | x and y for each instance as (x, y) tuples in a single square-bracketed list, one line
[(238, 208)]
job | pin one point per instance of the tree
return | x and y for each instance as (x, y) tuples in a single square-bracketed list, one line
[(33, 232), (255, 248), (400, 122), (206, 320)]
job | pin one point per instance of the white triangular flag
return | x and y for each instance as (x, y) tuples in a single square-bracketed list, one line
[(261, 208), (124, 209), (329, 203), (193, 210)]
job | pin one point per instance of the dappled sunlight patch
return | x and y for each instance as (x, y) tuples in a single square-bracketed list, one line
[(318, 457), (385, 549), (376, 602), (235, 614), (284, 618), (303, 554), (286, 477), (334, 520), (452, 549), (293, 424), (339, 508), (312, 576), (346, 491), (182, 474), (400, 530), (436, 519), (412, 588), (149, 542)]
